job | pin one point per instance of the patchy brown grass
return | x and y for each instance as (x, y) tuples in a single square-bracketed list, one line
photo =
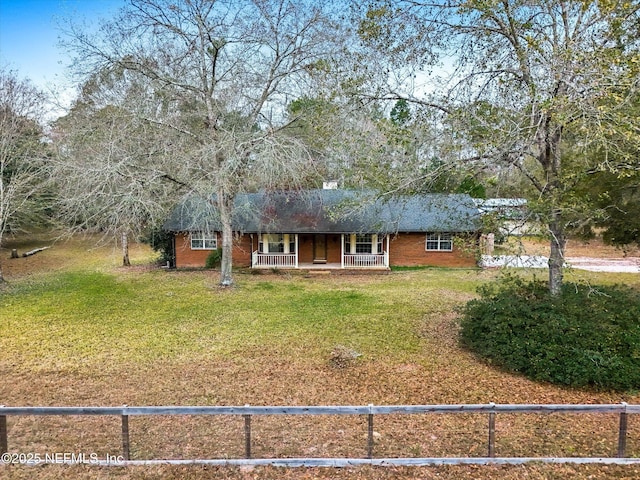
[(89, 251), (531, 472), (278, 373), (442, 376)]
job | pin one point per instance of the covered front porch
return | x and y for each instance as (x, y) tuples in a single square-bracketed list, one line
[(321, 251)]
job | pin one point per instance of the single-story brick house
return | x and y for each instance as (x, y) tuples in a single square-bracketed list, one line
[(331, 228)]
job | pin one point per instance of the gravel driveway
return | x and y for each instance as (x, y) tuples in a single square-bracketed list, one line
[(622, 265), (627, 264)]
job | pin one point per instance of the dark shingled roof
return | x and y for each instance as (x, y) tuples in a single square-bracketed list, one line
[(332, 211)]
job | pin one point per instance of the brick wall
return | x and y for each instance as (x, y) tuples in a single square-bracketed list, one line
[(185, 257), (409, 250), (242, 248), (406, 249)]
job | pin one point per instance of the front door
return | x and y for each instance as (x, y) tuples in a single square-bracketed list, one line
[(319, 249)]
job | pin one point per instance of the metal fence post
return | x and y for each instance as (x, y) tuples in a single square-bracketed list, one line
[(492, 434), (622, 432), (247, 435), (4, 445), (125, 436), (370, 432)]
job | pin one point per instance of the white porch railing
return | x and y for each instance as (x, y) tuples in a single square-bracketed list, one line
[(274, 260), (363, 260), (290, 260)]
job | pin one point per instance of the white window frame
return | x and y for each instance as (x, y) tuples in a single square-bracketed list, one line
[(443, 241), (204, 240), (288, 242), (371, 239)]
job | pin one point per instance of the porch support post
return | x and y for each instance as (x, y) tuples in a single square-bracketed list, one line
[(297, 249), (253, 259), (386, 257), (342, 250)]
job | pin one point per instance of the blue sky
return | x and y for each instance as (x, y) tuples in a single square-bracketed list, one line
[(29, 35)]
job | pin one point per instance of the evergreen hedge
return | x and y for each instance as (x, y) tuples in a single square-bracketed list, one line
[(586, 337)]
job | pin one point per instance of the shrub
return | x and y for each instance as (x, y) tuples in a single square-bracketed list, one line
[(161, 241), (585, 337), (213, 259)]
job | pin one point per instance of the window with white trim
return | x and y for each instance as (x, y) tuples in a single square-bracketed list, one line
[(277, 243), (439, 242), (204, 241), (363, 243)]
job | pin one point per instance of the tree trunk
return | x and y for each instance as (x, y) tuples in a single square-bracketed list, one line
[(552, 163), (1, 276), (556, 257), (225, 207), (125, 250)]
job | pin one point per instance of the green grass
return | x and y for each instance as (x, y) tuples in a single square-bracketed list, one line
[(90, 333), (71, 318), (417, 268)]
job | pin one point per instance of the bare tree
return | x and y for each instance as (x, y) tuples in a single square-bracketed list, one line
[(108, 167), (107, 175), (22, 154), (519, 84), (219, 75)]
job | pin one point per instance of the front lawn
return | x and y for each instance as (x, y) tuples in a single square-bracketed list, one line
[(96, 334)]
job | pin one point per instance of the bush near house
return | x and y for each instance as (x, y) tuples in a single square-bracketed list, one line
[(213, 259), (587, 337), (162, 242)]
